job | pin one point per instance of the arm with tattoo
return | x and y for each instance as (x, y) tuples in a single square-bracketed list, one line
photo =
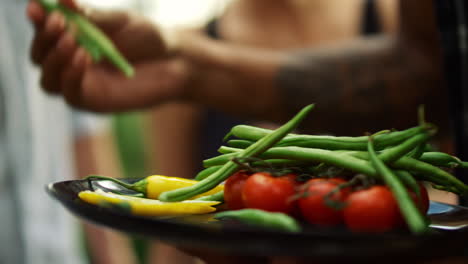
[(373, 83)]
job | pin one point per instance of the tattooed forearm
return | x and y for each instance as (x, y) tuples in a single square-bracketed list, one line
[(373, 84)]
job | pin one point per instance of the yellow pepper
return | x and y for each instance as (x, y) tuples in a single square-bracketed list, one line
[(149, 207), (154, 185)]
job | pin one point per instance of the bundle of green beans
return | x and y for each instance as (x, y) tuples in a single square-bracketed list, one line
[(397, 159), (90, 37), (394, 148)]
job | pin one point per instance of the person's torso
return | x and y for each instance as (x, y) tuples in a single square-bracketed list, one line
[(311, 24)]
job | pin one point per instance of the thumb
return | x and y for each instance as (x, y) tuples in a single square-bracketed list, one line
[(108, 21)]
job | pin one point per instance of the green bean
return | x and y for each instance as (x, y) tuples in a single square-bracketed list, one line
[(239, 143), (278, 163), (321, 155), (415, 220), (207, 172), (276, 221), (444, 188), (425, 171), (391, 154), (431, 173), (328, 142), (221, 159), (418, 151), (442, 160), (90, 37), (273, 163), (219, 197), (227, 150), (396, 152), (270, 158), (409, 181), (270, 162), (48, 5), (306, 154), (230, 167)]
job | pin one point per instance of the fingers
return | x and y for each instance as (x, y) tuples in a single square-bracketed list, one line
[(36, 14), (47, 37), (72, 78), (56, 61), (100, 88)]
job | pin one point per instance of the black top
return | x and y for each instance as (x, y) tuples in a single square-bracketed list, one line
[(452, 19), (370, 21)]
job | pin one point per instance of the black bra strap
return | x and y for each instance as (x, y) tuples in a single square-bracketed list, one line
[(370, 21), (211, 29)]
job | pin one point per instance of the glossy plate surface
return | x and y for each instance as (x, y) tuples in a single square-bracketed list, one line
[(450, 224)]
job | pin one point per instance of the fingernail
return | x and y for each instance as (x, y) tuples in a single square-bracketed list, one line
[(69, 40), (88, 59), (55, 23), (61, 22), (66, 44), (80, 58)]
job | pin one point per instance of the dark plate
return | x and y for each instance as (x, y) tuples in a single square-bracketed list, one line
[(449, 223)]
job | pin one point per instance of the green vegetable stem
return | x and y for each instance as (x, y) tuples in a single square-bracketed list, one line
[(90, 37)]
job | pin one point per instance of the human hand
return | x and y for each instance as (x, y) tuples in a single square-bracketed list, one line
[(67, 69)]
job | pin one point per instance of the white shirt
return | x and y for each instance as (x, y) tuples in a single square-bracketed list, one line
[(35, 149)]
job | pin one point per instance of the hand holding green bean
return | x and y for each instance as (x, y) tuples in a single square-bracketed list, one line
[(90, 37), (68, 69)]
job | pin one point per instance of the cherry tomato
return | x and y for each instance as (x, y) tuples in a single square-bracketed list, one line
[(372, 210), (424, 200), (421, 202), (233, 190), (313, 207), (265, 192), (292, 177)]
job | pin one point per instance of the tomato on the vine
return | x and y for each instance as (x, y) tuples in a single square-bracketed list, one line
[(313, 206), (266, 192), (233, 190), (423, 201), (372, 210)]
